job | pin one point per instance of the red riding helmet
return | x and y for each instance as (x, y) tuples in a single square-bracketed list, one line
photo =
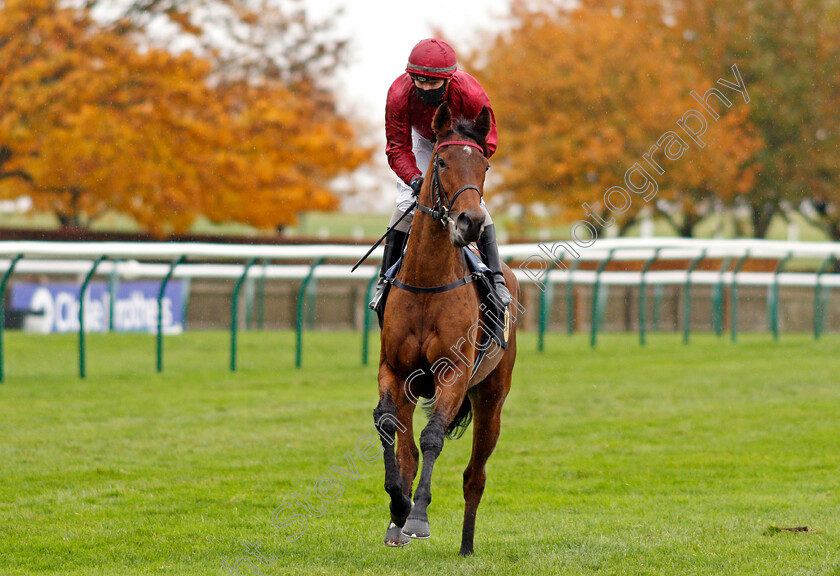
[(432, 58)]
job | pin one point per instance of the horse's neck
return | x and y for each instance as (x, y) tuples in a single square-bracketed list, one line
[(430, 259)]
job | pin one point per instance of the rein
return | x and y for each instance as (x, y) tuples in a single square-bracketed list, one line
[(437, 212)]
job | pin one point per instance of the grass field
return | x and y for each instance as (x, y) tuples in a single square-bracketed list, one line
[(623, 460)]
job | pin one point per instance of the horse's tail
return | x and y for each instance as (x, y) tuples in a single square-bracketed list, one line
[(461, 421)]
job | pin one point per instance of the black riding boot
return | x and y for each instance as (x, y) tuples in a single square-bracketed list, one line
[(394, 244), (489, 251)]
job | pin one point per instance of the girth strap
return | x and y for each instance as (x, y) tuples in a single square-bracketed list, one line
[(434, 289)]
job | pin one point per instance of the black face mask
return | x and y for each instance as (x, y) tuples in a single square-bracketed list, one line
[(431, 97)]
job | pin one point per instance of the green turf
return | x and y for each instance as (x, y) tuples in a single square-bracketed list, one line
[(623, 460)]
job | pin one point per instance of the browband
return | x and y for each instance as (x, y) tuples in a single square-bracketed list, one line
[(460, 142)]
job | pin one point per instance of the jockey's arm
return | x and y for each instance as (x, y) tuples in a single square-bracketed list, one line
[(472, 103), (398, 142)]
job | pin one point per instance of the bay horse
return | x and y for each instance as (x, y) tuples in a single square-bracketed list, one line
[(431, 336)]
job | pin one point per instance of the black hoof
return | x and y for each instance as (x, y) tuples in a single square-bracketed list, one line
[(395, 538), (417, 527), (465, 552)]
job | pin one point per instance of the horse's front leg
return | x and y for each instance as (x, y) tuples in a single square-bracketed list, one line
[(431, 444), (408, 456), (387, 424)]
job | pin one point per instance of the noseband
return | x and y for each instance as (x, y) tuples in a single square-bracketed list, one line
[(442, 203)]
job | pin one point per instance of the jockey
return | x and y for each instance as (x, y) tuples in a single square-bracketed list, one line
[(431, 78)]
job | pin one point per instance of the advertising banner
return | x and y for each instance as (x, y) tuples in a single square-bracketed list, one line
[(54, 307)]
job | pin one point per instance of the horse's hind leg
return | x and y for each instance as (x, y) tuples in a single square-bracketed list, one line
[(486, 424), (487, 399), (387, 423)]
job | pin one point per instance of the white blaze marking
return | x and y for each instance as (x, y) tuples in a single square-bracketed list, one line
[(468, 150)]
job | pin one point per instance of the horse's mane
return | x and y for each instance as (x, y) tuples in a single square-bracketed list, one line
[(467, 128)]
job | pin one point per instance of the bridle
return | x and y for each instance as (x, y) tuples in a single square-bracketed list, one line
[(439, 211), (442, 202)]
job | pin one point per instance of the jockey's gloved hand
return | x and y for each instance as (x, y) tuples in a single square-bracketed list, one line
[(416, 184)]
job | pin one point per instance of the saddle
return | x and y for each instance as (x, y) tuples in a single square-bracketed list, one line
[(494, 317)]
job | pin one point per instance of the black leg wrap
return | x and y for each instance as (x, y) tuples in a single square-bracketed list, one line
[(400, 509), (431, 443), (387, 424), (431, 439), (385, 420)]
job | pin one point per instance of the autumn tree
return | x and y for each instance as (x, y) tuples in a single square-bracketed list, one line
[(582, 95), (789, 54), (284, 150), (253, 39), (98, 126), (95, 118), (6, 155)]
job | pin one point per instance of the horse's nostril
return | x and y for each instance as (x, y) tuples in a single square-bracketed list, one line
[(469, 225)]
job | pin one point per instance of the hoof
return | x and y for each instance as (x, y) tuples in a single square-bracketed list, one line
[(417, 528), (395, 538)]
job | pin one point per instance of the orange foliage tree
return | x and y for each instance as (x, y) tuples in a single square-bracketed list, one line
[(581, 96), (243, 38), (96, 119), (789, 54)]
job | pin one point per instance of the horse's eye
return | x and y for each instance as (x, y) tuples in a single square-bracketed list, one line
[(486, 168), (441, 163)]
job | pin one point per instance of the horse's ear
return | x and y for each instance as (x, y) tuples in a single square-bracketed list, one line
[(442, 121), (483, 122)]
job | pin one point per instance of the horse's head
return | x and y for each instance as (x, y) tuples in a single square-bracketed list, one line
[(457, 172)]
